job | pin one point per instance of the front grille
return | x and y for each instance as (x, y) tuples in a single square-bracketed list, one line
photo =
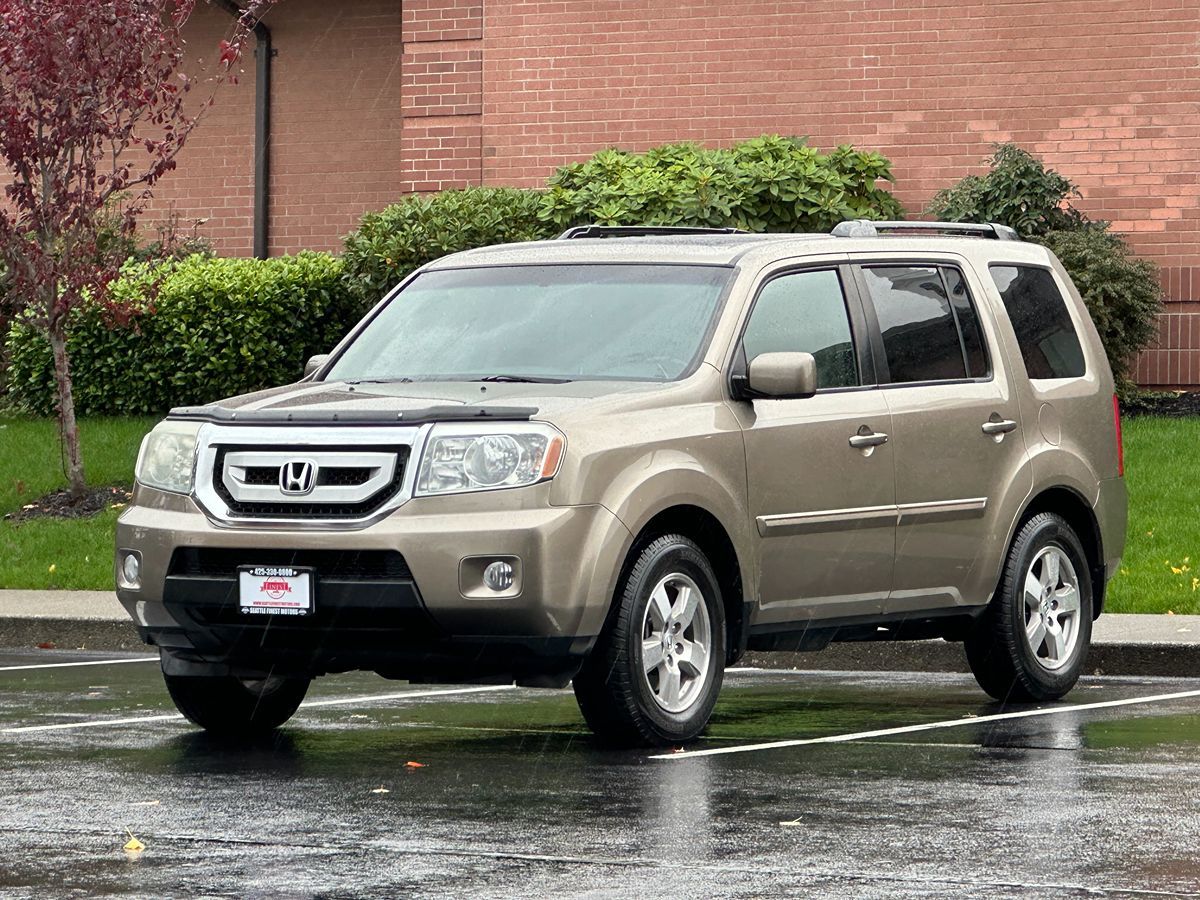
[(327, 476), (336, 565), (343, 476)]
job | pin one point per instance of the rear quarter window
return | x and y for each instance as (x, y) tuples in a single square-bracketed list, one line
[(1039, 316)]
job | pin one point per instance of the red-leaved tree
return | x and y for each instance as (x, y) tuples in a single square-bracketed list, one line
[(94, 108)]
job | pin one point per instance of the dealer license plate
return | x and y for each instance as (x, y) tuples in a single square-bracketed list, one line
[(275, 590)]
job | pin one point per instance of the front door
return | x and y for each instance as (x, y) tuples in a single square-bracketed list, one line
[(819, 469)]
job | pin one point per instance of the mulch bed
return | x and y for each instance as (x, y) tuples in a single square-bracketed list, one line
[(1173, 405), (60, 504)]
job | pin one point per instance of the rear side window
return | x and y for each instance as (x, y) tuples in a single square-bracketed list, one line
[(930, 333), (1045, 332), (805, 312)]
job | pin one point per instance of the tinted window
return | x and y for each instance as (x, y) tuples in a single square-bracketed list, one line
[(805, 313), (968, 323), (571, 322), (1039, 316), (920, 337)]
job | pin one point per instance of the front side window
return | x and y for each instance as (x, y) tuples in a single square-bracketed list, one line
[(1039, 316), (921, 325), (805, 312), (551, 322)]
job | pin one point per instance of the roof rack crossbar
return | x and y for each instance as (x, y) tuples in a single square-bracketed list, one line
[(621, 231), (869, 228)]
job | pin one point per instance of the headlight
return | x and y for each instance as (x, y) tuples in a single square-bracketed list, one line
[(167, 460), (461, 458)]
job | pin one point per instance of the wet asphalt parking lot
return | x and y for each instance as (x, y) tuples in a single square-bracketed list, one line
[(808, 784)]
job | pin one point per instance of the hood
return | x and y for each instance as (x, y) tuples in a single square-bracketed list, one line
[(330, 401)]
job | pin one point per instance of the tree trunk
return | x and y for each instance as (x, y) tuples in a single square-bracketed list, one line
[(66, 412)]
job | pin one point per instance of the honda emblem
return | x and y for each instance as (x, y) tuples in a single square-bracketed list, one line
[(298, 477)]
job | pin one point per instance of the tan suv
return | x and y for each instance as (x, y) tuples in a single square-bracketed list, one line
[(626, 456)]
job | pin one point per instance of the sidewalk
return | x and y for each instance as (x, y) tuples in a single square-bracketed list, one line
[(1121, 644)]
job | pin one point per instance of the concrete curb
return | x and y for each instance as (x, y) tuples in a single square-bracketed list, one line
[(1138, 660), (1134, 645)]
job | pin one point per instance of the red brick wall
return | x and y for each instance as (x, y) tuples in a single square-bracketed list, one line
[(1107, 91), (335, 121), (375, 98)]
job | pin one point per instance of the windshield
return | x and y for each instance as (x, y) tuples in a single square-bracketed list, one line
[(554, 323)]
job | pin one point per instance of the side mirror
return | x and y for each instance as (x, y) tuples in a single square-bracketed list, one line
[(314, 363), (783, 375)]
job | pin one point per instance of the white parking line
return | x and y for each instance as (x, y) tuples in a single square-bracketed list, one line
[(339, 701), (928, 726), (90, 662)]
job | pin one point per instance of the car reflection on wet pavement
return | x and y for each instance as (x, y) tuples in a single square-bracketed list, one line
[(510, 796)]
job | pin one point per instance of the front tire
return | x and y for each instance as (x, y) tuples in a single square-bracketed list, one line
[(1032, 642), (657, 669), (236, 707)]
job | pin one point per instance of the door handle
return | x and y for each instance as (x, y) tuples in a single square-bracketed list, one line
[(866, 438), (998, 426)]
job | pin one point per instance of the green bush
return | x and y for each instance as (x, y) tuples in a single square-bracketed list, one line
[(1018, 191), (770, 183), (201, 329), (1123, 293), (391, 243)]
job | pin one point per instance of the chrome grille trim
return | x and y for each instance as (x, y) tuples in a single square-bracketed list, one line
[(381, 466), (348, 447)]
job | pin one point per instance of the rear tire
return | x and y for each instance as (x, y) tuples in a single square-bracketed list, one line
[(1032, 642), (656, 671), (225, 705)]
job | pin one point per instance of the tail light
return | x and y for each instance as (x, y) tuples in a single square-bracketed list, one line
[(1120, 443)]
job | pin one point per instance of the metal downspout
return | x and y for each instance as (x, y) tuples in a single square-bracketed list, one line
[(262, 129)]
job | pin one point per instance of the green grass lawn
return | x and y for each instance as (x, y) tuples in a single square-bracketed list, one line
[(1160, 570), (58, 553)]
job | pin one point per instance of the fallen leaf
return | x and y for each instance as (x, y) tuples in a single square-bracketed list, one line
[(116, 506), (380, 790), (133, 847), (53, 568), (791, 822), (46, 645), (677, 750), (29, 506), (414, 765)]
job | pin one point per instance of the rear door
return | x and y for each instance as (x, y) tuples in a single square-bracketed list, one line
[(823, 508), (957, 437)]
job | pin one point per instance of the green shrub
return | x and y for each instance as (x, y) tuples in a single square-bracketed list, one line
[(212, 328), (1123, 293), (770, 183), (1018, 191), (391, 243)]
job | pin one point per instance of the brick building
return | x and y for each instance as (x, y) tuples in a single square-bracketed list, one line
[(372, 99)]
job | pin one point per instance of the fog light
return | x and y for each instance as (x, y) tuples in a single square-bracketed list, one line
[(131, 571), (498, 576)]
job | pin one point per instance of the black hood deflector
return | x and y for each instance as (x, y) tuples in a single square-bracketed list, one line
[(223, 416)]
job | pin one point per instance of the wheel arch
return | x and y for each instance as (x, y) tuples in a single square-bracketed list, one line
[(1074, 508), (706, 530)]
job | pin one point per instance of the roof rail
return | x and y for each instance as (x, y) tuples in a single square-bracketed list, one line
[(868, 228), (620, 231)]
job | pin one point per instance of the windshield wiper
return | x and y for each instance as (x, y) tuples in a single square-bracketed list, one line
[(380, 381), (523, 379)]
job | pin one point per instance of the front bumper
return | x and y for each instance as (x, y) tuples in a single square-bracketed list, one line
[(395, 597)]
